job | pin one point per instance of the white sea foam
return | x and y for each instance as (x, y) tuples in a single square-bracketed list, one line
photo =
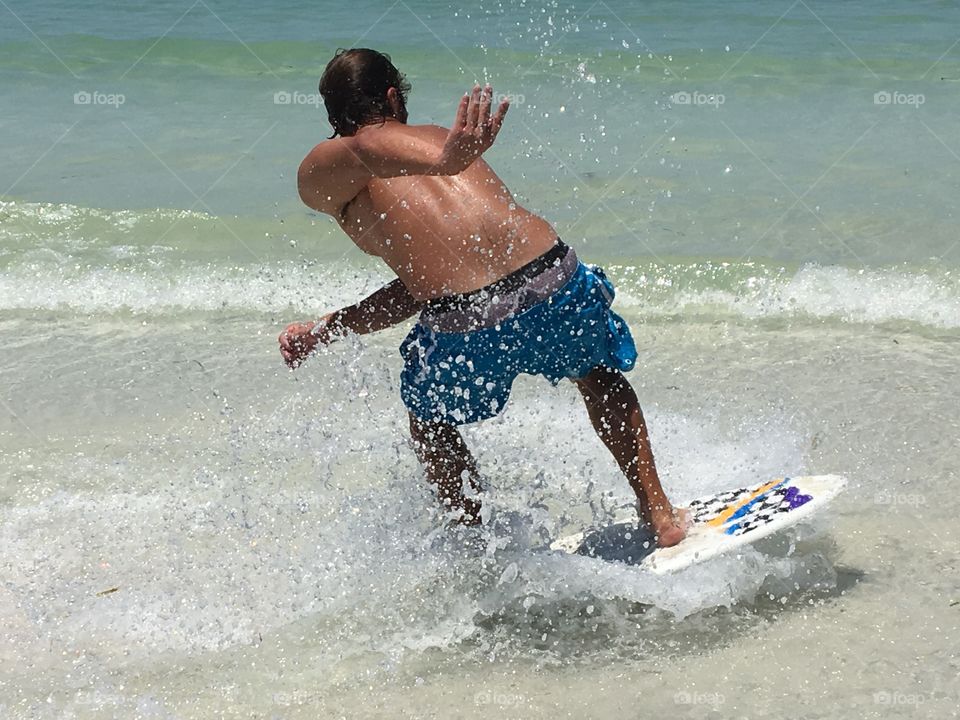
[(848, 295), (64, 257), (154, 285), (156, 288)]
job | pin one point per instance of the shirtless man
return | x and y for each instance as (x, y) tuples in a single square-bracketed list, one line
[(498, 292)]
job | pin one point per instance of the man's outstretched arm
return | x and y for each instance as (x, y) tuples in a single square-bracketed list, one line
[(388, 306), (335, 171)]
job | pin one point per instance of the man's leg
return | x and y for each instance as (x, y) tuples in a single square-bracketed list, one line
[(616, 416), (447, 462)]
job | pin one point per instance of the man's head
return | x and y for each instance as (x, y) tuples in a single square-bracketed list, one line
[(361, 86)]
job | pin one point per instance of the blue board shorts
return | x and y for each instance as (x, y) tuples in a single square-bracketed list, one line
[(552, 318)]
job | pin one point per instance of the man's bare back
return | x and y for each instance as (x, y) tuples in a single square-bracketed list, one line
[(443, 235)]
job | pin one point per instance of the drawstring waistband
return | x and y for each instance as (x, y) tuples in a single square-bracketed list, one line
[(531, 284)]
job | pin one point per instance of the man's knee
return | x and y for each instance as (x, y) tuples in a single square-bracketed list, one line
[(433, 435), (600, 381)]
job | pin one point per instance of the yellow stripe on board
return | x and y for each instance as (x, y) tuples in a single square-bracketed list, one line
[(731, 509)]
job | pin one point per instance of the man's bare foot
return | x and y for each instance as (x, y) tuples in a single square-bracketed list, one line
[(672, 527)]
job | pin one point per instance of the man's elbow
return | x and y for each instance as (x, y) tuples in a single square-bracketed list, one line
[(308, 193), (312, 194), (305, 186)]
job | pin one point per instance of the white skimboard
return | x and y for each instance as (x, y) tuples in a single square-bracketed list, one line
[(721, 523)]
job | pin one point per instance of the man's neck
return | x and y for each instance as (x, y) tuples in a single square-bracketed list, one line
[(376, 124)]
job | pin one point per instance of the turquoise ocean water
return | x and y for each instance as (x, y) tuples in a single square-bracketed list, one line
[(772, 186)]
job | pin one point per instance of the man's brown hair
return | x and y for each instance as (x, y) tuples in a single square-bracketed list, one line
[(354, 88)]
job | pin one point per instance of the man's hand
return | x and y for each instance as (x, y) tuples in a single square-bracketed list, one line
[(300, 339), (473, 131)]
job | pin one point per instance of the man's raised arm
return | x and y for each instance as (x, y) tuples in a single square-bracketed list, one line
[(335, 171), (388, 306)]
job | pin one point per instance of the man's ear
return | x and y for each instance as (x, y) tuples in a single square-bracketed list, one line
[(396, 104)]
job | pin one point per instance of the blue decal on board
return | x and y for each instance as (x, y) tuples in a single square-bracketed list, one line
[(746, 507)]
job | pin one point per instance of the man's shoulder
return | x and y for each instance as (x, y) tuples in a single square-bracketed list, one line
[(327, 151), (427, 129)]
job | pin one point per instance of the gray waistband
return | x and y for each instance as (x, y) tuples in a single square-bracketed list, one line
[(489, 310)]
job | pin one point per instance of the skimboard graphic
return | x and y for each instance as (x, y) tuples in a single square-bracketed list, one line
[(721, 522)]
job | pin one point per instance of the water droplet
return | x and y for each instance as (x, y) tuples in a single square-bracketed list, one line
[(509, 575)]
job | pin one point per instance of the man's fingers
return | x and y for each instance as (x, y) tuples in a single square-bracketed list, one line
[(473, 111), (461, 119), (295, 344), (497, 120), (293, 358), (485, 98)]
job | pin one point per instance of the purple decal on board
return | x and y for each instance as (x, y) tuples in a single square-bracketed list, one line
[(795, 499)]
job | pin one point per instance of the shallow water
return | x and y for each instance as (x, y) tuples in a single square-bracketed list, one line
[(191, 531), (272, 552)]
